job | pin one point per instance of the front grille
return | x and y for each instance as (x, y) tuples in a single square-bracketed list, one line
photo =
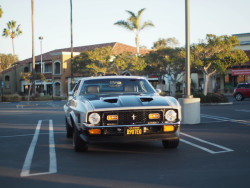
[(133, 117)]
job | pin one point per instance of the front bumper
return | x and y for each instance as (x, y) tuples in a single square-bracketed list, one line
[(150, 132)]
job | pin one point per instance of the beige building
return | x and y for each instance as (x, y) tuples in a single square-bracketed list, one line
[(56, 67), (244, 39)]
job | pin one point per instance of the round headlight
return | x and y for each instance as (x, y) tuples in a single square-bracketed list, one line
[(94, 118), (171, 115)]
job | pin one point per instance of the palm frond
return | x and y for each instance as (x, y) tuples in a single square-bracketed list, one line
[(140, 13), (124, 24), (131, 13), (6, 32), (147, 24), (18, 31)]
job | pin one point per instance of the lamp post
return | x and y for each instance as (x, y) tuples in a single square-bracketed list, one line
[(187, 62), (190, 107), (41, 39)]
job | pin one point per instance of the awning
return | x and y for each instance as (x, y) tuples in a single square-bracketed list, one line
[(236, 72)]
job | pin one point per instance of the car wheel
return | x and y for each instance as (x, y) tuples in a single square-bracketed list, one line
[(78, 144), (170, 143), (69, 129), (239, 97)]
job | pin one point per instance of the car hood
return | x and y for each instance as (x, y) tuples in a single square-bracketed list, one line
[(131, 102)]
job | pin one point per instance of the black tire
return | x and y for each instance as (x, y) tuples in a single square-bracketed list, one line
[(170, 143), (78, 144), (69, 129), (239, 97)]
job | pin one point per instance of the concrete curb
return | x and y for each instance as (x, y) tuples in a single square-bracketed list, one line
[(211, 104)]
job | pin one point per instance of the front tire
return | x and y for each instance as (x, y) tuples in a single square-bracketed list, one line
[(78, 144), (170, 143), (69, 129), (239, 97)]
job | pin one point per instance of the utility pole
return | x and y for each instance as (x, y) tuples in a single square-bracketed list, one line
[(187, 62), (71, 60), (190, 107), (41, 39), (33, 49)]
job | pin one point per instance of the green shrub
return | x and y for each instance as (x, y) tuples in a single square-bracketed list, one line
[(11, 98), (211, 97)]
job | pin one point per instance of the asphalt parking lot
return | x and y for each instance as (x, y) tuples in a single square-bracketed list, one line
[(36, 153)]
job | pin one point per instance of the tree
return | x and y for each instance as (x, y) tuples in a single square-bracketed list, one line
[(7, 60), (175, 66), (133, 23), (12, 31), (1, 11), (167, 61), (93, 62), (166, 43), (215, 55)]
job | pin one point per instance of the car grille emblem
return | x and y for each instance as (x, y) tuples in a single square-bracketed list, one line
[(133, 116)]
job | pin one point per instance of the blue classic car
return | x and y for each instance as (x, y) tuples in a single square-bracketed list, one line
[(120, 109)]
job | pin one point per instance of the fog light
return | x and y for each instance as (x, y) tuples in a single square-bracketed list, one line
[(154, 116), (94, 131), (168, 128), (112, 117)]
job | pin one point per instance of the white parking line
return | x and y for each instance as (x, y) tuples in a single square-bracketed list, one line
[(224, 149), (29, 156), (244, 122), (242, 110), (52, 151), (23, 135), (28, 160)]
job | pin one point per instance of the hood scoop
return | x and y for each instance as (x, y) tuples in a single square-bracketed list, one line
[(146, 99), (111, 100)]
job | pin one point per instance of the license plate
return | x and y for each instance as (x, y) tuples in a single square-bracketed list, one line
[(134, 131)]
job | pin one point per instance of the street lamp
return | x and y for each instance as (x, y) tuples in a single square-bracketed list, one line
[(41, 39), (190, 107)]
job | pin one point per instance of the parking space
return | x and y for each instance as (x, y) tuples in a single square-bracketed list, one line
[(36, 152)]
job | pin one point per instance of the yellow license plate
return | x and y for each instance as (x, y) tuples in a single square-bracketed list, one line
[(134, 131)]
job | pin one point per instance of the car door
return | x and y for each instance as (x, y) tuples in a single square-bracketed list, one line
[(247, 90)]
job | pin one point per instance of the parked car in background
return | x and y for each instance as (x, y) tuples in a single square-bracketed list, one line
[(242, 91), (120, 109)]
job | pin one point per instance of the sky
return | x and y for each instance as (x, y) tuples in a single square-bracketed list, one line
[(93, 22)]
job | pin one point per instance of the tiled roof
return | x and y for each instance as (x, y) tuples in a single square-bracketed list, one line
[(118, 48)]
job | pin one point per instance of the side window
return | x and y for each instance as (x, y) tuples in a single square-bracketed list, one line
[(242, 86), (248, 86), (76, 87)]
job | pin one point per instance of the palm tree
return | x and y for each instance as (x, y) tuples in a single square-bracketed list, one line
[(133, 23), (12, 31)]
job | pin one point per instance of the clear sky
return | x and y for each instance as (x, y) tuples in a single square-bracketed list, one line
[(93, 22)]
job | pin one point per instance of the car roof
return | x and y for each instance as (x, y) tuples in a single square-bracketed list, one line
[(112, 77), (243, 83)]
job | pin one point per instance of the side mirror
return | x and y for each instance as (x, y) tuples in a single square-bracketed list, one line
[(158, 91)]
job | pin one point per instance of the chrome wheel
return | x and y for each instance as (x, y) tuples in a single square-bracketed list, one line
[(239, 97)]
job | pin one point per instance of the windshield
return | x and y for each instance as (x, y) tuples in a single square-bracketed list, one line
[(100, 87)]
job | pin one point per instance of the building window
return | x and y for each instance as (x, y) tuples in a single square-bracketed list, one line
[(26, 69), (7, 78), (57, 68), (38, 68), (47, 68)]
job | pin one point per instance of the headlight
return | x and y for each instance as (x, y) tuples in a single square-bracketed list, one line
[(171, 115), (94, 118)]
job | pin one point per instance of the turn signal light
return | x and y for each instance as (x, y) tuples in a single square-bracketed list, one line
[(168, 128), (94, 131), (154, 116), (112, 117)]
